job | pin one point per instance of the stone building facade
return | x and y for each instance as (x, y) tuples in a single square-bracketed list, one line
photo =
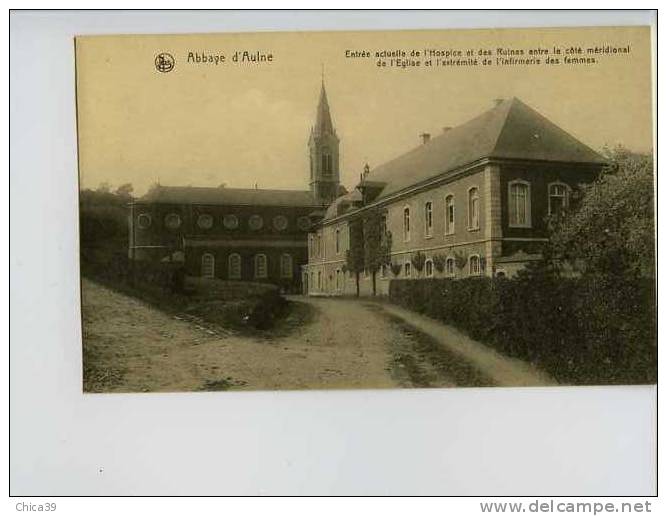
[(474, 199), (256, 235)]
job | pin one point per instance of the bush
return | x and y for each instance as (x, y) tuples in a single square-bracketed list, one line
[(581, 330)]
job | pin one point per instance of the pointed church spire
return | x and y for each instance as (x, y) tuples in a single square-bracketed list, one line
[(323, 123), (323, 146)]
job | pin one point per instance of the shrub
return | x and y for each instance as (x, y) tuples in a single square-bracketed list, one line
[(581, 330)]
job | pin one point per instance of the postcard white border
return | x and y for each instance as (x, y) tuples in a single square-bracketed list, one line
[(547, 441)]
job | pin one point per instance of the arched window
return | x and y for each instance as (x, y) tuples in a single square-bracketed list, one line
[(558, 198), (319, 280), (286, 269), (475, 269), (407, 268), (473, 208), (339, 282), (428, 218), (207, 265), (519, 204), (337, 241), (429, 268), (234, 266), (261, 268), (449, 267), (406, 223), (449, 215)]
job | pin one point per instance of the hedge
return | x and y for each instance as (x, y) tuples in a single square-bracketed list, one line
[(581, 330), (237, 305)]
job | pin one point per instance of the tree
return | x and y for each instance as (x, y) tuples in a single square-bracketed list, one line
[(439, 262), (104, 187), (354, 256), (418, 260), (460, 259), (125, 191), (609, 230), (377, 243)]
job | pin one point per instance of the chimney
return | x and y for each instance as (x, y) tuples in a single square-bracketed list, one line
[(425, 138), (497, 102), (446, 128)]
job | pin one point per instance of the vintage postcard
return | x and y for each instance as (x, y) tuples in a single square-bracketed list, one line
[(327, 210)]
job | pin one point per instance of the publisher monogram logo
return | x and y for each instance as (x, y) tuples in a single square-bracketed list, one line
[(164, 62)]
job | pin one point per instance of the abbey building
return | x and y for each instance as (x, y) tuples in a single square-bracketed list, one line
[(471, 201), (239, 234)]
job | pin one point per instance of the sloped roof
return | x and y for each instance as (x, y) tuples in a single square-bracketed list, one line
[(511, 130), (347, 199), (228, 196)]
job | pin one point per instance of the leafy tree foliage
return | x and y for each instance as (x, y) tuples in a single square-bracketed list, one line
[(370, 245), (377, 243), (439, 262), (354, 256), (418, 260), (609, 230)]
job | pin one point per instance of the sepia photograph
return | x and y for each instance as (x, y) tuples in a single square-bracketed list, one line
[(366, 209)]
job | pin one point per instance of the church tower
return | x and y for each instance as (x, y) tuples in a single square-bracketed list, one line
[(323, 150)]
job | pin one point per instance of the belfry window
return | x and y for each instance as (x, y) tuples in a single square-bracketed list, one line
[(327, 162)]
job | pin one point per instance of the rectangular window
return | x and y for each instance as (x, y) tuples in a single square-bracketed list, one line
[(406, 224), (428, 219), (519, 204), (473, 208), (449, 215), (558, 198)]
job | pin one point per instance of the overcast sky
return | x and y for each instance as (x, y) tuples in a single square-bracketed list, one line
[(241, 124)]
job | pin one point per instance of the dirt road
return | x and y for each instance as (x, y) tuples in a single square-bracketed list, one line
[(338, 343)]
